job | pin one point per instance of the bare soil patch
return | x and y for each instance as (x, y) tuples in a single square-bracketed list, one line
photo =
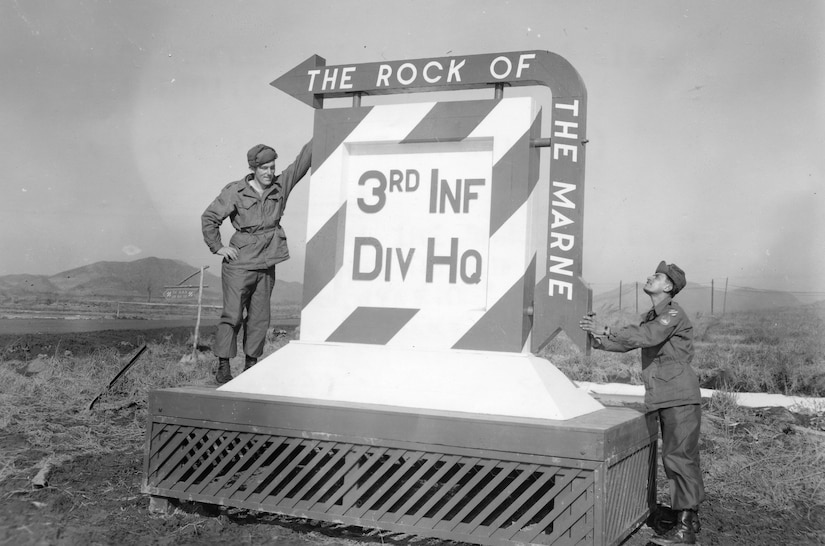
[(28, 346)]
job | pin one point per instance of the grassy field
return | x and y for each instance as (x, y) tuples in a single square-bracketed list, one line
[(780, 351), (70, 475)]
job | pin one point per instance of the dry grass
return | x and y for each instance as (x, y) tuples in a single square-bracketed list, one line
[(746, 456), (765, 462), (781, 351), (49, 408)]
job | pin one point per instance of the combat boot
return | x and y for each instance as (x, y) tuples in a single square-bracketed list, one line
[(250, 361), (684, 532), (224, 373), (663, 518)]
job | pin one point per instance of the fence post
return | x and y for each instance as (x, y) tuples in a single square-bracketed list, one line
[(725, 299), (620, 295)]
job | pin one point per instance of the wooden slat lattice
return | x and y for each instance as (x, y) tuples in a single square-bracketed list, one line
[(627, 490), (444, 495)]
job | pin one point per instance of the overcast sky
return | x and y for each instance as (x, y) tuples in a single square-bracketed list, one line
[(120, 121)]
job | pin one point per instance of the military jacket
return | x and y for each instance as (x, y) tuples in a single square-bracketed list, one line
[(665, 337), (259, 237)]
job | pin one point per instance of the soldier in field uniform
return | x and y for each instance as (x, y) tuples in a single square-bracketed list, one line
[(672, 395), (254, 205)]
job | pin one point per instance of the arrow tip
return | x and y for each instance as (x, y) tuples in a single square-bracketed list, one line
[(296, 81)]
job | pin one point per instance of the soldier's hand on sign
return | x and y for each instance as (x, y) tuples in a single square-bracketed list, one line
[(229, 253), (589, 324)]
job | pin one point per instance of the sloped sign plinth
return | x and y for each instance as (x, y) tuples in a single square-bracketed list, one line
[(476, 382)]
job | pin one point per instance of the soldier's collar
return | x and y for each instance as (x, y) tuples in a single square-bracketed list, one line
[(660, 308), (247, 185)]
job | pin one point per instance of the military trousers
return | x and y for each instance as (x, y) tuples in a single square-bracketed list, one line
[(680, 427), (246, 295)]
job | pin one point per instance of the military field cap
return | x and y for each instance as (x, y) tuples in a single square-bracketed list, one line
[(675, 274), (260, 154)]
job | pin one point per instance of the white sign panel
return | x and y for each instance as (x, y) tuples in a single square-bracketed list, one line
[(417, 224)]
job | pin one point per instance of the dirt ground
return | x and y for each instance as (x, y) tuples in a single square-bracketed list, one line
[(97, 499), (28, 346)]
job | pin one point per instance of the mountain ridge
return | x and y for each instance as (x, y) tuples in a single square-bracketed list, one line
[(144, 278)]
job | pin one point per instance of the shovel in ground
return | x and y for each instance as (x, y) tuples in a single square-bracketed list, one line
[(120, 374)]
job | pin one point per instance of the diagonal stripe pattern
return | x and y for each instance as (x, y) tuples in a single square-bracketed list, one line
[(330, 312)]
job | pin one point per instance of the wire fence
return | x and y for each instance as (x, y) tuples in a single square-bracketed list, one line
[(716, 296)]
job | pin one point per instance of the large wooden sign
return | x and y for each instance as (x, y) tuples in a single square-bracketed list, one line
[(558, 296)]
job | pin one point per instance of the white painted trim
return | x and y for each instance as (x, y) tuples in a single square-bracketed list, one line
[(745, 399)]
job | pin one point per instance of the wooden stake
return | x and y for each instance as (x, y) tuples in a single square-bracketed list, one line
[(198, 321)]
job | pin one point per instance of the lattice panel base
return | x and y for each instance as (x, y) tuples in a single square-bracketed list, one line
[(274, 456)]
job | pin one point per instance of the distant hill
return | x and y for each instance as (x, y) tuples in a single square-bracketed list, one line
[(145, 279), (142, 279), (697, 299)]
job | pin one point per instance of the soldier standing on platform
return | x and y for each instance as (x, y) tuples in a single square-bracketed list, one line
[(672, 394), (254, 205)]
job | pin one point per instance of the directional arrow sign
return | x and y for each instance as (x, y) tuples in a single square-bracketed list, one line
[(312, 80), (299, 82), (561, 297)]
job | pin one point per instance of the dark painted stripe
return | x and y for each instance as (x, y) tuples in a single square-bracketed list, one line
[(332, 127), (502, 328), (553, 315), (373, 325), (324, 254), (529, 285), (510, 186), (450, 121)]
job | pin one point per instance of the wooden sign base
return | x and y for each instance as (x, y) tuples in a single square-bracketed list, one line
[(481, 479)]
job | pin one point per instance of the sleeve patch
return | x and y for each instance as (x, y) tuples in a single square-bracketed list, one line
[(665, 320), (673, 312)]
